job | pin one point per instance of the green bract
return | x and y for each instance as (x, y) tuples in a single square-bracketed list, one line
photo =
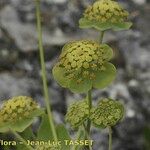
[(18, 113), (105, 14), (83, 65), (107, 113), (77, 113)]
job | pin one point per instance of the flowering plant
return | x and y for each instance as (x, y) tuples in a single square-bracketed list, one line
[(82, 66)]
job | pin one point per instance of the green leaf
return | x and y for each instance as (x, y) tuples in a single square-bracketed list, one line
[(63, 135), (104, 78), (82, 87), (81, 136), (27, 135), (85, 23), (21, 125), (147, 137), (37, 112), (4, 128), (122, 26), (108, 52), (44, 131), (59, 76)]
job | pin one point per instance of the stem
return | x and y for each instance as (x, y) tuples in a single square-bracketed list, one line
[(110, 139), (43, 67), (87, 127), (101, 36), (22, 140), (78, 138), (89, 99), (87, 135)]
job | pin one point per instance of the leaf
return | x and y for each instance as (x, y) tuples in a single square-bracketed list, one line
[(21, 125), (44, 131), (122, 26), (85, 23), (4, 128), (147, 137), (63, 135), (27, 135), (82, 87), (108, 52), (81, 136), (59, 76), (104, 78), (37, 112)]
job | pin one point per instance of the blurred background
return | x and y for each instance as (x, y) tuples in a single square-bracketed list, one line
[(20, 72)]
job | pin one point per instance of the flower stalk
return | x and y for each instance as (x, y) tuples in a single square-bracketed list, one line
[(43, 67)]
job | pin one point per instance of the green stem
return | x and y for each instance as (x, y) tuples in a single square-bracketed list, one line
[(22, 140), (79, 134), (110, 139), (44, 78), (101, 37), (87, 127), (89, 99), (87, 135)]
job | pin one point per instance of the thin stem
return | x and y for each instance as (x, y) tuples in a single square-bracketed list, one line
[(110, 139), (44, 78), (22, 140), (79, 134), (101, 37), (89, 99), (87, 127), (87, 136)]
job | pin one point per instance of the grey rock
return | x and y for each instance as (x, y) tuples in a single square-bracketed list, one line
[(13, 85)]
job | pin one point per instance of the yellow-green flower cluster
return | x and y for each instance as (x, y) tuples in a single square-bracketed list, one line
[(107, 113), (106, 11), (82, 58), (77, 113), (48, 147), (17, 108)]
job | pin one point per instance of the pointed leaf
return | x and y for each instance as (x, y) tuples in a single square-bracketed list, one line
[(27, 135), (63, 134), (44, 131)]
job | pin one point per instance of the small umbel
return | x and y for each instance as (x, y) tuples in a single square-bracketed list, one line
[(81, 63), (77, 113), (108, 113)]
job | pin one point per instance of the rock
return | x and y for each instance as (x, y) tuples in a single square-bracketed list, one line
[(25, 34), (139, 2), (13, 85)]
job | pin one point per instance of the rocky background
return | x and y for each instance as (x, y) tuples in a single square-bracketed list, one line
[(20, 72)]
